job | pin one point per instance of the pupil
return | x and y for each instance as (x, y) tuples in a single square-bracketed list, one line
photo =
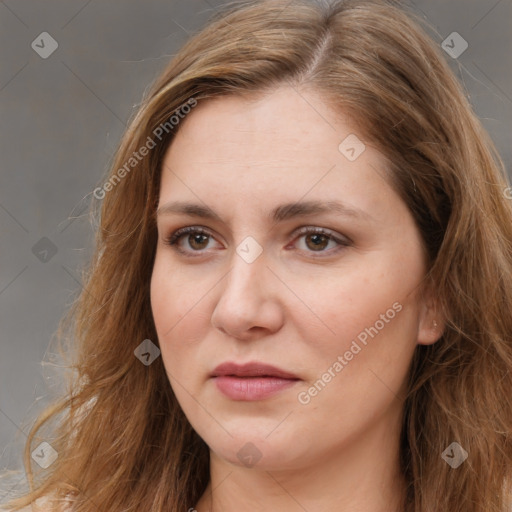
[(198, 239), (318, 243)]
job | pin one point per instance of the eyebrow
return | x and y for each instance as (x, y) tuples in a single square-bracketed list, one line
[(279, 214)]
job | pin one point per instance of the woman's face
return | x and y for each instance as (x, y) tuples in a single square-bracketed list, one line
[(338, 313)]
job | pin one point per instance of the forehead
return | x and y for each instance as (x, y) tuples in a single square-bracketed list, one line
[(287, 119), (285, 134)]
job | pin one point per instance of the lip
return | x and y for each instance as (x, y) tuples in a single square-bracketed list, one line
[(251, 381), (251, 369)]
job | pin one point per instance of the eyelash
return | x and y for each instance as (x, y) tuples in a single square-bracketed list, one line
[(175, 237)]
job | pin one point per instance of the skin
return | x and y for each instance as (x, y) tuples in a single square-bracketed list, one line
[(296, 306)]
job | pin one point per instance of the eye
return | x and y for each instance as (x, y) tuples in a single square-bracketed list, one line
[(197, 239), (316, 240)]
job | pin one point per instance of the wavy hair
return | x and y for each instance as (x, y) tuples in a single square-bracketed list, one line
[(124, 443)]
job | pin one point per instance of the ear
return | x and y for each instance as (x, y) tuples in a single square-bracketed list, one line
[(432, 320)]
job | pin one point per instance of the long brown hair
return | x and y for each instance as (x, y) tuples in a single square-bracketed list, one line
[(123, 442)]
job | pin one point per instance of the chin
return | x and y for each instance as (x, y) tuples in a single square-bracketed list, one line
[(258, 451)]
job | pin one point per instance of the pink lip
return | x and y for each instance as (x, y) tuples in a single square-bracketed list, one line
[(251, 381)]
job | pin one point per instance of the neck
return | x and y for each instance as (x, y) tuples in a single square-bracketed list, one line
[(360, 476)]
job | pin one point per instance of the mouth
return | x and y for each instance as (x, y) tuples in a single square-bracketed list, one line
[(251, 381), (251, 370)]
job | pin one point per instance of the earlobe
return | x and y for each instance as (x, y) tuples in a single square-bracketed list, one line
[(428, 336), (431, 323)]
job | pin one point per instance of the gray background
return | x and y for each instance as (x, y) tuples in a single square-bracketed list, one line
[(63, 116)]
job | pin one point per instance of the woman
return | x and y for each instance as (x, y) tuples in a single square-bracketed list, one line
[(301, 297)]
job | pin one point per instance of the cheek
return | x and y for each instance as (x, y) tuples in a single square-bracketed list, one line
[(357, 373), (179, 315), (369, 317), (173, 298)]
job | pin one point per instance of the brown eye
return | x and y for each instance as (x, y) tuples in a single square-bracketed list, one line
[(318, 241), (197, 241)]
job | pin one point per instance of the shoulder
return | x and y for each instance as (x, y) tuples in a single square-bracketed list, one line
[(40, 505), (43, 504)]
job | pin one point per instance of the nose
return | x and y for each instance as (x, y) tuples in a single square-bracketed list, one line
[(248, 305)]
